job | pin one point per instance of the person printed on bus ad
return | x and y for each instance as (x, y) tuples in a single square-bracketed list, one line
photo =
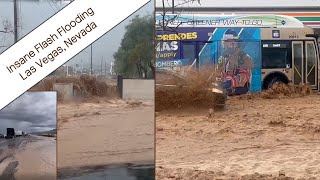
[(235, 64)]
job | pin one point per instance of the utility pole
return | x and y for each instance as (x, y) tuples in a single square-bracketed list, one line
[(101, 65), (15, 20), (67, 69), (172, 6), (111, 68), (91, 60), (81, 67), (105, 68)]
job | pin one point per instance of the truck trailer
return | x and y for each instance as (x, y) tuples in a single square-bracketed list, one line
[(10, 133)]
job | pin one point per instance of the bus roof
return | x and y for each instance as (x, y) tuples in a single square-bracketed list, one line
[(222, 20)]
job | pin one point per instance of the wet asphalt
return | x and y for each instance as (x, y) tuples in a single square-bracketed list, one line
[(8, 148), (119, 172)]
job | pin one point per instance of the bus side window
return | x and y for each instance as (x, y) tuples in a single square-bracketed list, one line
[(265, 61), (275, 58)]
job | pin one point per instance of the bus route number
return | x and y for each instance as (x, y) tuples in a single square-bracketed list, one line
[(293, 36)]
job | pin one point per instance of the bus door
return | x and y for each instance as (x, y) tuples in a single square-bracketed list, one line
[(304, 63), (297, 61), (311, 64), (318, 63)]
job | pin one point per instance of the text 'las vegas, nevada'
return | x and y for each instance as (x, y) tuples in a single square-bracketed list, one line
[(82, 19)]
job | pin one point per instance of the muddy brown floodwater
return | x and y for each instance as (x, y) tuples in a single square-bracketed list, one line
[(28, 158), (250, 139), (111, 132)]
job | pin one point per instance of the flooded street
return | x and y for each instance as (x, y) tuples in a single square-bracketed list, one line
[(113, 132), (120, 173), (31, 157), (251, 139)]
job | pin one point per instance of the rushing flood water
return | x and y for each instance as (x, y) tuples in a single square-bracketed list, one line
[(119, 173)]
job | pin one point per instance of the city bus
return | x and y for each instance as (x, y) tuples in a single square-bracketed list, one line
[(251, 52)]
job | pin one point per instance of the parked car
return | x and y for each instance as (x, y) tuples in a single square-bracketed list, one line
[(1, 136)]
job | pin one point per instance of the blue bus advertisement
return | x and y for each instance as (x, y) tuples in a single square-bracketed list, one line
[(231, 43), (235, 50)]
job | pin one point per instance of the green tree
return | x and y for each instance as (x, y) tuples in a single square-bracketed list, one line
[(135, 56)]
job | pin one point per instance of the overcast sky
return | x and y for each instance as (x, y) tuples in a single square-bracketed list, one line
[(34, 12), (31, 112), (243, 3)]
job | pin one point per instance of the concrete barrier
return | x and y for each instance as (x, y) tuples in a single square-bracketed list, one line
[(64, 89), (138, 89)]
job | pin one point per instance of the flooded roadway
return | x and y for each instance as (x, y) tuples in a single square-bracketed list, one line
[(30, 157), (8, 148), (120, 172)]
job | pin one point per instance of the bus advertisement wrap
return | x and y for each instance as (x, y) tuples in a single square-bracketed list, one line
[(234, 50), (237, 52), (175, 50), (221, 20), (248, 52), (169, 43)]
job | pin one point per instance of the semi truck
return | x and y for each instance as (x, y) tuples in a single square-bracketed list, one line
[(10, 133)]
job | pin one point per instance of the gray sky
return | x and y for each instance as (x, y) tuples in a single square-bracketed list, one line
[(31, 112), (34, 12), (244, 3)]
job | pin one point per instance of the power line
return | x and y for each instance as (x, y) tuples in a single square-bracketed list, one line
[(56, 5), (51, 6), (41, 8), (6, 31)]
